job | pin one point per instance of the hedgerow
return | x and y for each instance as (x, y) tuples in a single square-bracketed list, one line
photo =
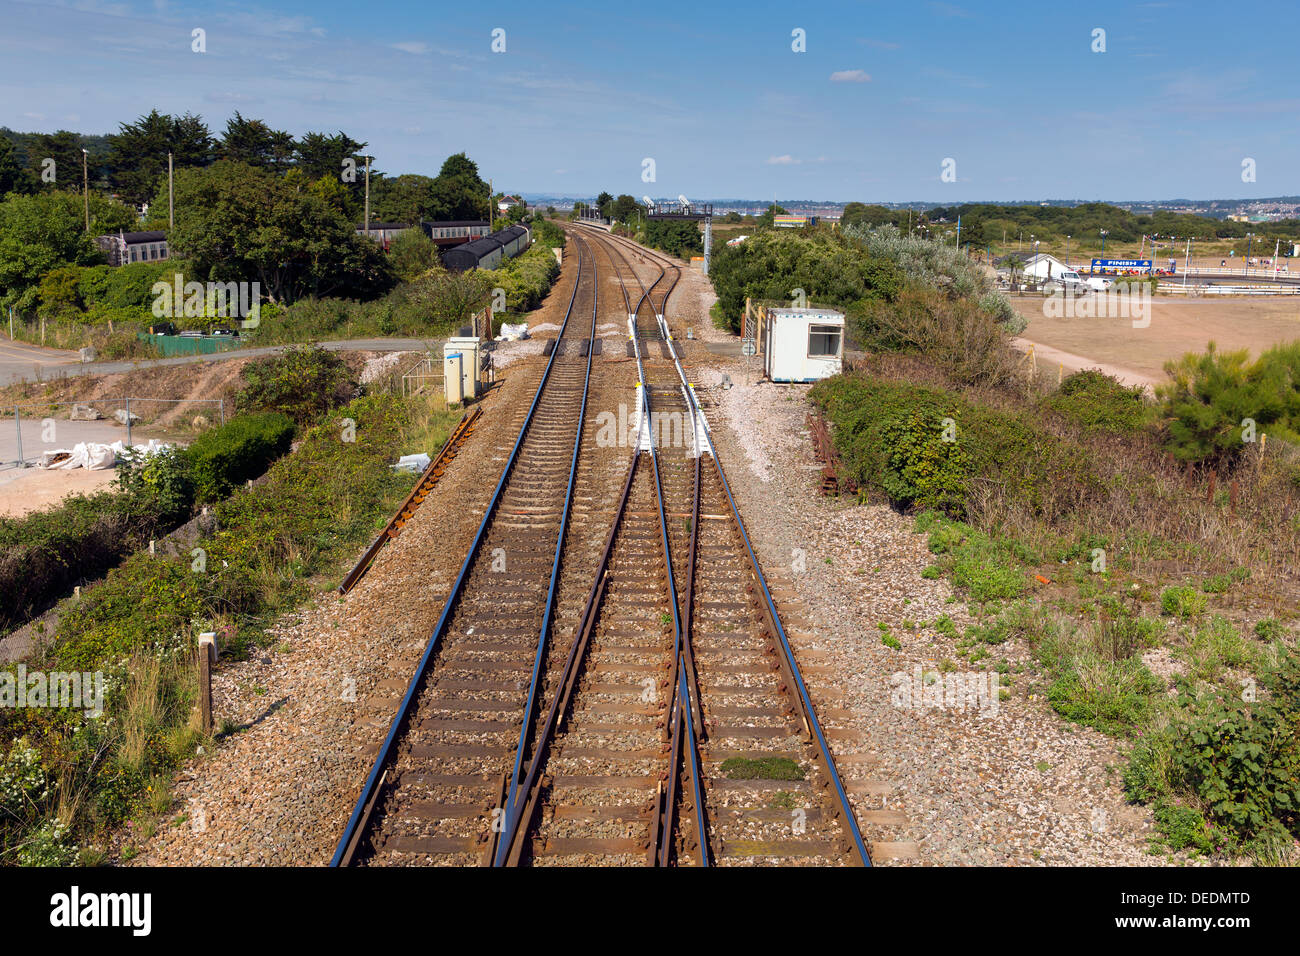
[(138, 626), (243, 448)]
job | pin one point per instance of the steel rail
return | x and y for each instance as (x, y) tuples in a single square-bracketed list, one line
[(683, 727), (681, 688), (370, 790), (516, 824), (844, 810), (525, 731), (519, 814), (424, 483)]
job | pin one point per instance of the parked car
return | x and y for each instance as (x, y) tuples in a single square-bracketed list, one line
[(234, 333), (1099, 283), (162, 328), (191, 334)]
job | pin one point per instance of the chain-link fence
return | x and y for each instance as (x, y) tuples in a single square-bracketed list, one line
[(39, 429)]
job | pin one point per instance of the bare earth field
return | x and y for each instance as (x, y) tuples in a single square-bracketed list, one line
[(1177, 326)]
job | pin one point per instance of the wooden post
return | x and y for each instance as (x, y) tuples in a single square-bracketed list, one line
[(207, 656), (1209, 492)]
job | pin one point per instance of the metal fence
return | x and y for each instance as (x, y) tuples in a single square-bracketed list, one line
[(43, 428)]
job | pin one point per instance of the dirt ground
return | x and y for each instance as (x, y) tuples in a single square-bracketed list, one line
[(1177, 326), (32, 489)]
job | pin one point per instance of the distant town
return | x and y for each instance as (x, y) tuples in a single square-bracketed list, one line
[(1233, 210)]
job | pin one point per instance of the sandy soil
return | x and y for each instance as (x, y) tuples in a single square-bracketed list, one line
[(1177, 326), (32, 489)]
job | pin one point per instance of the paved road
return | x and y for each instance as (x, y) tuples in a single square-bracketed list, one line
[(20, 362)]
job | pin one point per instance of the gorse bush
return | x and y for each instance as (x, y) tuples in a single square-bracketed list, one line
[(1096, 400), (302, 383), (1217, 403)]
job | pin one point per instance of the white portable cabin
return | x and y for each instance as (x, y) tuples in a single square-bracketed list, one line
[(802, 345)]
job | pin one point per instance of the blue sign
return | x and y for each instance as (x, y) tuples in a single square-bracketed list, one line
[(1121, 264)]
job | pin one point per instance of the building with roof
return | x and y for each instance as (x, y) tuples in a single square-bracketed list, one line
[(127, 247)]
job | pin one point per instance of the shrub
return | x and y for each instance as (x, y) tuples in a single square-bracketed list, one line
[(1182, 601), (45, 553), (1096, 400), (1039, 471), (243, 448), (922, 469), (1184, 827), (1112, 696), (24, 782), (412, 253), (302, 383), (1210, 398), (828, 267), (955, 333), (1243, 762), (988, 569), (1269, 629)]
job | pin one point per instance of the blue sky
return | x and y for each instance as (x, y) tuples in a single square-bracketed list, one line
[(713, 92)]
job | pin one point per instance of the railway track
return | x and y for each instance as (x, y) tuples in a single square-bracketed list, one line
[(459, 734), (757, 722), (666, 722)]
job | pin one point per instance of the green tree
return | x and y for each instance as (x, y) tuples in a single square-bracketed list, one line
[(321, 155), (624, 208), (39, 233), (13, 178), (407, 198), (252, 141), (64, 148), (458, 192), (769, 217), (412, 253), (238, 222), (138, 157)]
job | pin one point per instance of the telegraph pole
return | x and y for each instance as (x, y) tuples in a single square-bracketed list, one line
[(367, 197), (171, 196), (85, 186)]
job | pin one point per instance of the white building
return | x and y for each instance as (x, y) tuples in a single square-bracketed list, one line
[(801, 345), (1043, 266)]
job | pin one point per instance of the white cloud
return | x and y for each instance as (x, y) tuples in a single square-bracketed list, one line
[(413, 47), (850, 76), (786, 160)]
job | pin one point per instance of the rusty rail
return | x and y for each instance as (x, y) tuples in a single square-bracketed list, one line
[(428, 479)]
